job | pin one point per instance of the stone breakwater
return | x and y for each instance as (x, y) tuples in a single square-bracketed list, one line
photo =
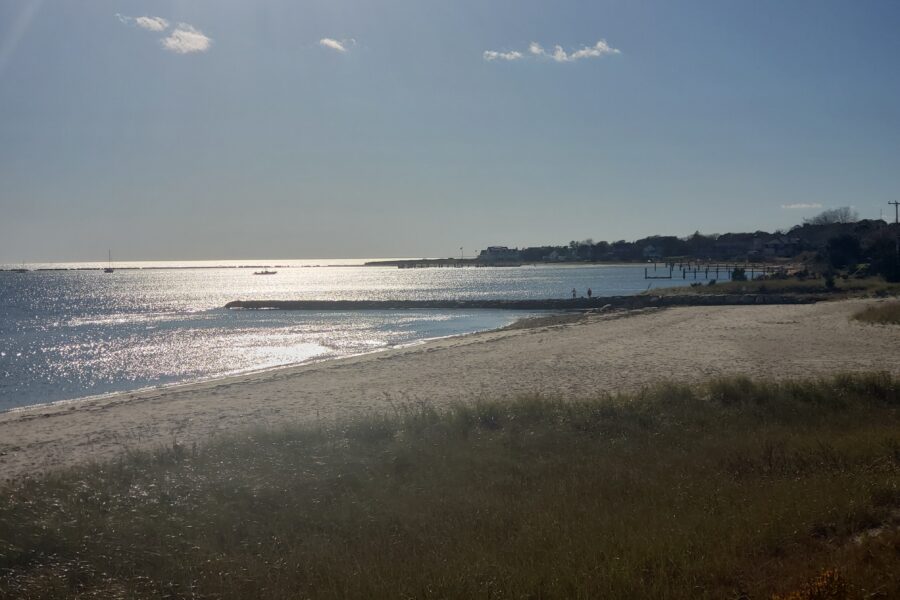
[(621, 302)]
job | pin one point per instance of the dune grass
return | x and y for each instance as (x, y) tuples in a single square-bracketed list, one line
[(734, 489), (843, 288), (886, 313)]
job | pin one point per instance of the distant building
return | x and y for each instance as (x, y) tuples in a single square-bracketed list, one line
[(651, 252), (498, 254), (735, 246), (555, 256), (782, 246)]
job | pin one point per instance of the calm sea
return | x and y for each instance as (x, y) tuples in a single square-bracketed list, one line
[(71, 333)]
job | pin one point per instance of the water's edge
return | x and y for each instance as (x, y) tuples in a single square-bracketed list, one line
[(240, 375)]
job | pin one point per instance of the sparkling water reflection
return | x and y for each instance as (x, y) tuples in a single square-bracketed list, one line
[(73, 333)]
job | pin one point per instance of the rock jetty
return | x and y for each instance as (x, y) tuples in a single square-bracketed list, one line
[(615, 302)]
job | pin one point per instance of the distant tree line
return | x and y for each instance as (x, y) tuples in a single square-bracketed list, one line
[(833, 240)]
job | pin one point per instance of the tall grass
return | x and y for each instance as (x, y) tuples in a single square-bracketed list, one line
[(732, 489), (868, 286), (887, 313)]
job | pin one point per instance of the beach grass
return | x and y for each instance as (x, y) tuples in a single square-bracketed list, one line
[(842, 288), (732, 489), (885, 313)]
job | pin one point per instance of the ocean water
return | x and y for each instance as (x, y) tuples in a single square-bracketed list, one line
[(71, 333)]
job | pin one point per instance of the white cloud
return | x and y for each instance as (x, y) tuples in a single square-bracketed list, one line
[(151, 23), (601, 48), (801, 206), (186, 39), (494, 55), (339, 45), (145, 22)]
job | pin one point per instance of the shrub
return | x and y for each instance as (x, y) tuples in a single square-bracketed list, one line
[(884, 313), (827, 586)]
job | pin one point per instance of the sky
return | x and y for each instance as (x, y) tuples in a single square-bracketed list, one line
[(216, 129)]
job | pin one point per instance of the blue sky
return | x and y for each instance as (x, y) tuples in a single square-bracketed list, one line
[(230, 129)]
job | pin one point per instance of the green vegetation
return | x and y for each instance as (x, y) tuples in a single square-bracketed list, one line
[(731, 489), (842, 287), (738, 274), (887, 313), (833, 241)]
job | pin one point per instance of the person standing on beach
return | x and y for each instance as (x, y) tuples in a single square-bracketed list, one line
[(589, 292), (574, 294)]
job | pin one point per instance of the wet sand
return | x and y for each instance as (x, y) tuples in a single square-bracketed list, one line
[(580, 358)]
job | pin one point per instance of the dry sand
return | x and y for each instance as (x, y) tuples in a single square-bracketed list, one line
[(599, 353)]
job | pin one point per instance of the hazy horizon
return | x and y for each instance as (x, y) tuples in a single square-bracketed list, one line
[(168, 130)]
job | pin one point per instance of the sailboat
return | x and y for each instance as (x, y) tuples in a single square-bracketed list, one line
[(109, 267)]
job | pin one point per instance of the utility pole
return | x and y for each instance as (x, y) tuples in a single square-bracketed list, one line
[(896, 220)]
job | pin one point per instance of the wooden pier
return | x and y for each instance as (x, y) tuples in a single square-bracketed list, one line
[(717, 270)]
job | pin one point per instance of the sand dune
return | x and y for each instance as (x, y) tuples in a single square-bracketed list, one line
[(599, 353)]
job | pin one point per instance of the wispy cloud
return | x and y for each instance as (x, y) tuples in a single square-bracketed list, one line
[(494, 55), (558, 54), (152, 23), (145, 22), (183, 39), (186, 39), (339, 45), (601, 48), (801, 206)]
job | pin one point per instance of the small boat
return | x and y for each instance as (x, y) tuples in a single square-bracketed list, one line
[(265, 272), (109, 267)]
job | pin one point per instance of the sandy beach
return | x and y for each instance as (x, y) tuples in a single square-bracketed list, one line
[(600, 353)]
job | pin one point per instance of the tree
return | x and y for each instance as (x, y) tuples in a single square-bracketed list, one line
[(884, 257), (599, 250), (844, 214), (738, 274), (843, 251)]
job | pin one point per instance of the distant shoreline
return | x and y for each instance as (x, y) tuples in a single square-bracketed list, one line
[(379, 263)]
